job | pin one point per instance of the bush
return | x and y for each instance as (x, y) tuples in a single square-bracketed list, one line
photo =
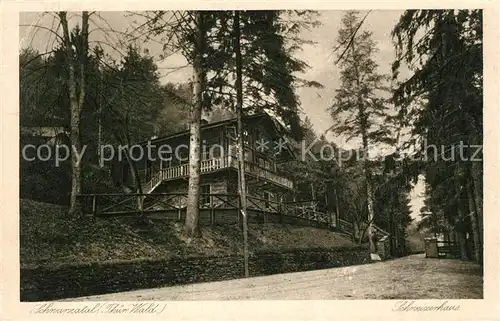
[(42, 181), (96, 180)]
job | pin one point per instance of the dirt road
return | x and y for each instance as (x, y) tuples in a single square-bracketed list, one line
[(412, 277)]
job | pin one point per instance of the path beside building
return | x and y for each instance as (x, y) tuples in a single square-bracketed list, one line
[(412, 277)]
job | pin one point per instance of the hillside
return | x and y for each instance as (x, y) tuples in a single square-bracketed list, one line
[(49, 237)]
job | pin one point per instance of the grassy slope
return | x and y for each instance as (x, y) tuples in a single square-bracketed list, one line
[(50, 237)]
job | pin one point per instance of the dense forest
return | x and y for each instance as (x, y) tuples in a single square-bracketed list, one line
[(245, 62)]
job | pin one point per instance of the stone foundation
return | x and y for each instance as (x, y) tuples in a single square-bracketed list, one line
[(45, 283)]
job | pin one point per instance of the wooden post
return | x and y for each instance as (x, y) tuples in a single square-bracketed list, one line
[(222, 155), (212, 213), (239, 210), (179, 207), (241, 143), (94, 205), (280, 208), (327, 209)]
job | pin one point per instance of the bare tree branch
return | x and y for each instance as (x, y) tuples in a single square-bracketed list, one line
[(351, 39)]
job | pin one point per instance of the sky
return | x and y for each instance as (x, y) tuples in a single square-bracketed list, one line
[(319, 57)]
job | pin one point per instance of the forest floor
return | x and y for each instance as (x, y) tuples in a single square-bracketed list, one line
[(48, 237), (407, 278)]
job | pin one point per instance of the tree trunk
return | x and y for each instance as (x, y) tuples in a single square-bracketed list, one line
[(478, 252), (474, 181), (99, 123), (476, 172), (131, 165), (357, 232), (135, 173), (76, 102), (463, 246), (460, 225), (241, 159), (370, 196), (137, 183), (392, 239), (363, 128), (337, 218), (191, 227)]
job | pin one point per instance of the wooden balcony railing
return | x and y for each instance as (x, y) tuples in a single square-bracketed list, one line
[(267, 174), (212, 165), (109, 205)]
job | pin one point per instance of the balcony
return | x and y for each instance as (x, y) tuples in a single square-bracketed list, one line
[(213, 165)]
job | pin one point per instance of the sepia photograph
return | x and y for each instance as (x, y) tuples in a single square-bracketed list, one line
[(205, 155)]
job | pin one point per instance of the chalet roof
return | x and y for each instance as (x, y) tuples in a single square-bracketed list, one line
[(264, 116), (47, 132), (278, 129)]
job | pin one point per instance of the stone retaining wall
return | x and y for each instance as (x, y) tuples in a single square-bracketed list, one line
[(45, 283)]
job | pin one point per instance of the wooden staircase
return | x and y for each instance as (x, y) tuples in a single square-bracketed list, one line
[(213, 165)]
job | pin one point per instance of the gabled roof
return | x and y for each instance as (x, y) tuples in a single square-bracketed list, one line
[(208, 126), (37, 131), (278, 129)]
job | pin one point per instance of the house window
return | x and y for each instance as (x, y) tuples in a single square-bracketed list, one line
[(267, 199), (205, 153), (267, 164), (166, 163), (264, 163), (246, 137), (248, 156), (204, 195), (211, 151), (149, 169), (183, 157)]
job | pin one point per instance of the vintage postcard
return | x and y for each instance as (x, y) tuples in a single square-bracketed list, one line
[(249, 160)]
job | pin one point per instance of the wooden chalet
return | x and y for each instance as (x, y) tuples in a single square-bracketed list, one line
[(164, 180), (265, 149)]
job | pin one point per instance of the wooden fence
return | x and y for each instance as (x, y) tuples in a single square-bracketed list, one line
[(214, 209), (448, 249)]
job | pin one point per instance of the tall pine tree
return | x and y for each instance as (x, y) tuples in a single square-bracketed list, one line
[(359, 109)]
